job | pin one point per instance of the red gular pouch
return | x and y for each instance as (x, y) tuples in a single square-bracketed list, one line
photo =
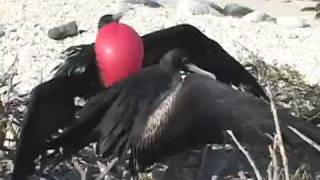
[(119, 52)]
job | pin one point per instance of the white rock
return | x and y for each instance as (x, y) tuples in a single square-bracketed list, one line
[(257, 16), (294, 22), (168, 3), (192, 7), (150, 3), (236, 10)]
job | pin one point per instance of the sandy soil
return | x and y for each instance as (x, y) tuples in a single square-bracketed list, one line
[(26, 23)]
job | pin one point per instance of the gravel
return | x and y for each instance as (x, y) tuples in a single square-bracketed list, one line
[(26, 24)]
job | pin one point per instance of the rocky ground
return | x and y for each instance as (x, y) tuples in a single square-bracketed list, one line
[(25, 24), (275, 32)]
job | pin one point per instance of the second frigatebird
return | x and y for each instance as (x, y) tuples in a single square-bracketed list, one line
[(156, 114)]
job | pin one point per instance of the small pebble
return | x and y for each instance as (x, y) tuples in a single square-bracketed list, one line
[(192, 7), (61, 32), (236, 10), (317, 16), (2, 33), (149, 3), (308, 9), (317, 7)]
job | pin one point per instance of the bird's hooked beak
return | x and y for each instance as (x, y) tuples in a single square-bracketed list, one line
[(195, 69)]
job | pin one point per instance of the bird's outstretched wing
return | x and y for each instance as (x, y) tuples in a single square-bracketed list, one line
[(111, 112), (49, 108), (242, 111), (209, 54), (204, 109), (52, 105), (108, 117), (85, 130)]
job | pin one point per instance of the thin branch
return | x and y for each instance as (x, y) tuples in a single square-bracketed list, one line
[(274, 150), (9, 121), (269, 171), (305, 138), (274, 158), (279, 135), (12, 130), (16, 59), (246, 153)]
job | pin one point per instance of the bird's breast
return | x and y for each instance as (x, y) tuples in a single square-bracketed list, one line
[(159, 118)]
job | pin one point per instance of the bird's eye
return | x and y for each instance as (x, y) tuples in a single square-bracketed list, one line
[(185, 60)]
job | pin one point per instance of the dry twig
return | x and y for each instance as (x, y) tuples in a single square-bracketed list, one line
[(16, 59), (279, 136), (305, 138), (246, 153)]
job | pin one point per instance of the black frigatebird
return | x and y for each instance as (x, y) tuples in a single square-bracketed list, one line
[(52, 103), (209, 54), (156, 113), (126, 100)]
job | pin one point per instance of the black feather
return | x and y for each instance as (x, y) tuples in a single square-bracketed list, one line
[(78, 60), (49, 109), (79, 134)]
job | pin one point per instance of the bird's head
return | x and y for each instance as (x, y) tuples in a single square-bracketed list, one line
[(178, 61)]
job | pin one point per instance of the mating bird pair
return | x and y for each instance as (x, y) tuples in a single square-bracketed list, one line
[(155, 113)]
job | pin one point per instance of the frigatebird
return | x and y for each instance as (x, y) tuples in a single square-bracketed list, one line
[(51, 104), (157, 113), (127, 100)]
